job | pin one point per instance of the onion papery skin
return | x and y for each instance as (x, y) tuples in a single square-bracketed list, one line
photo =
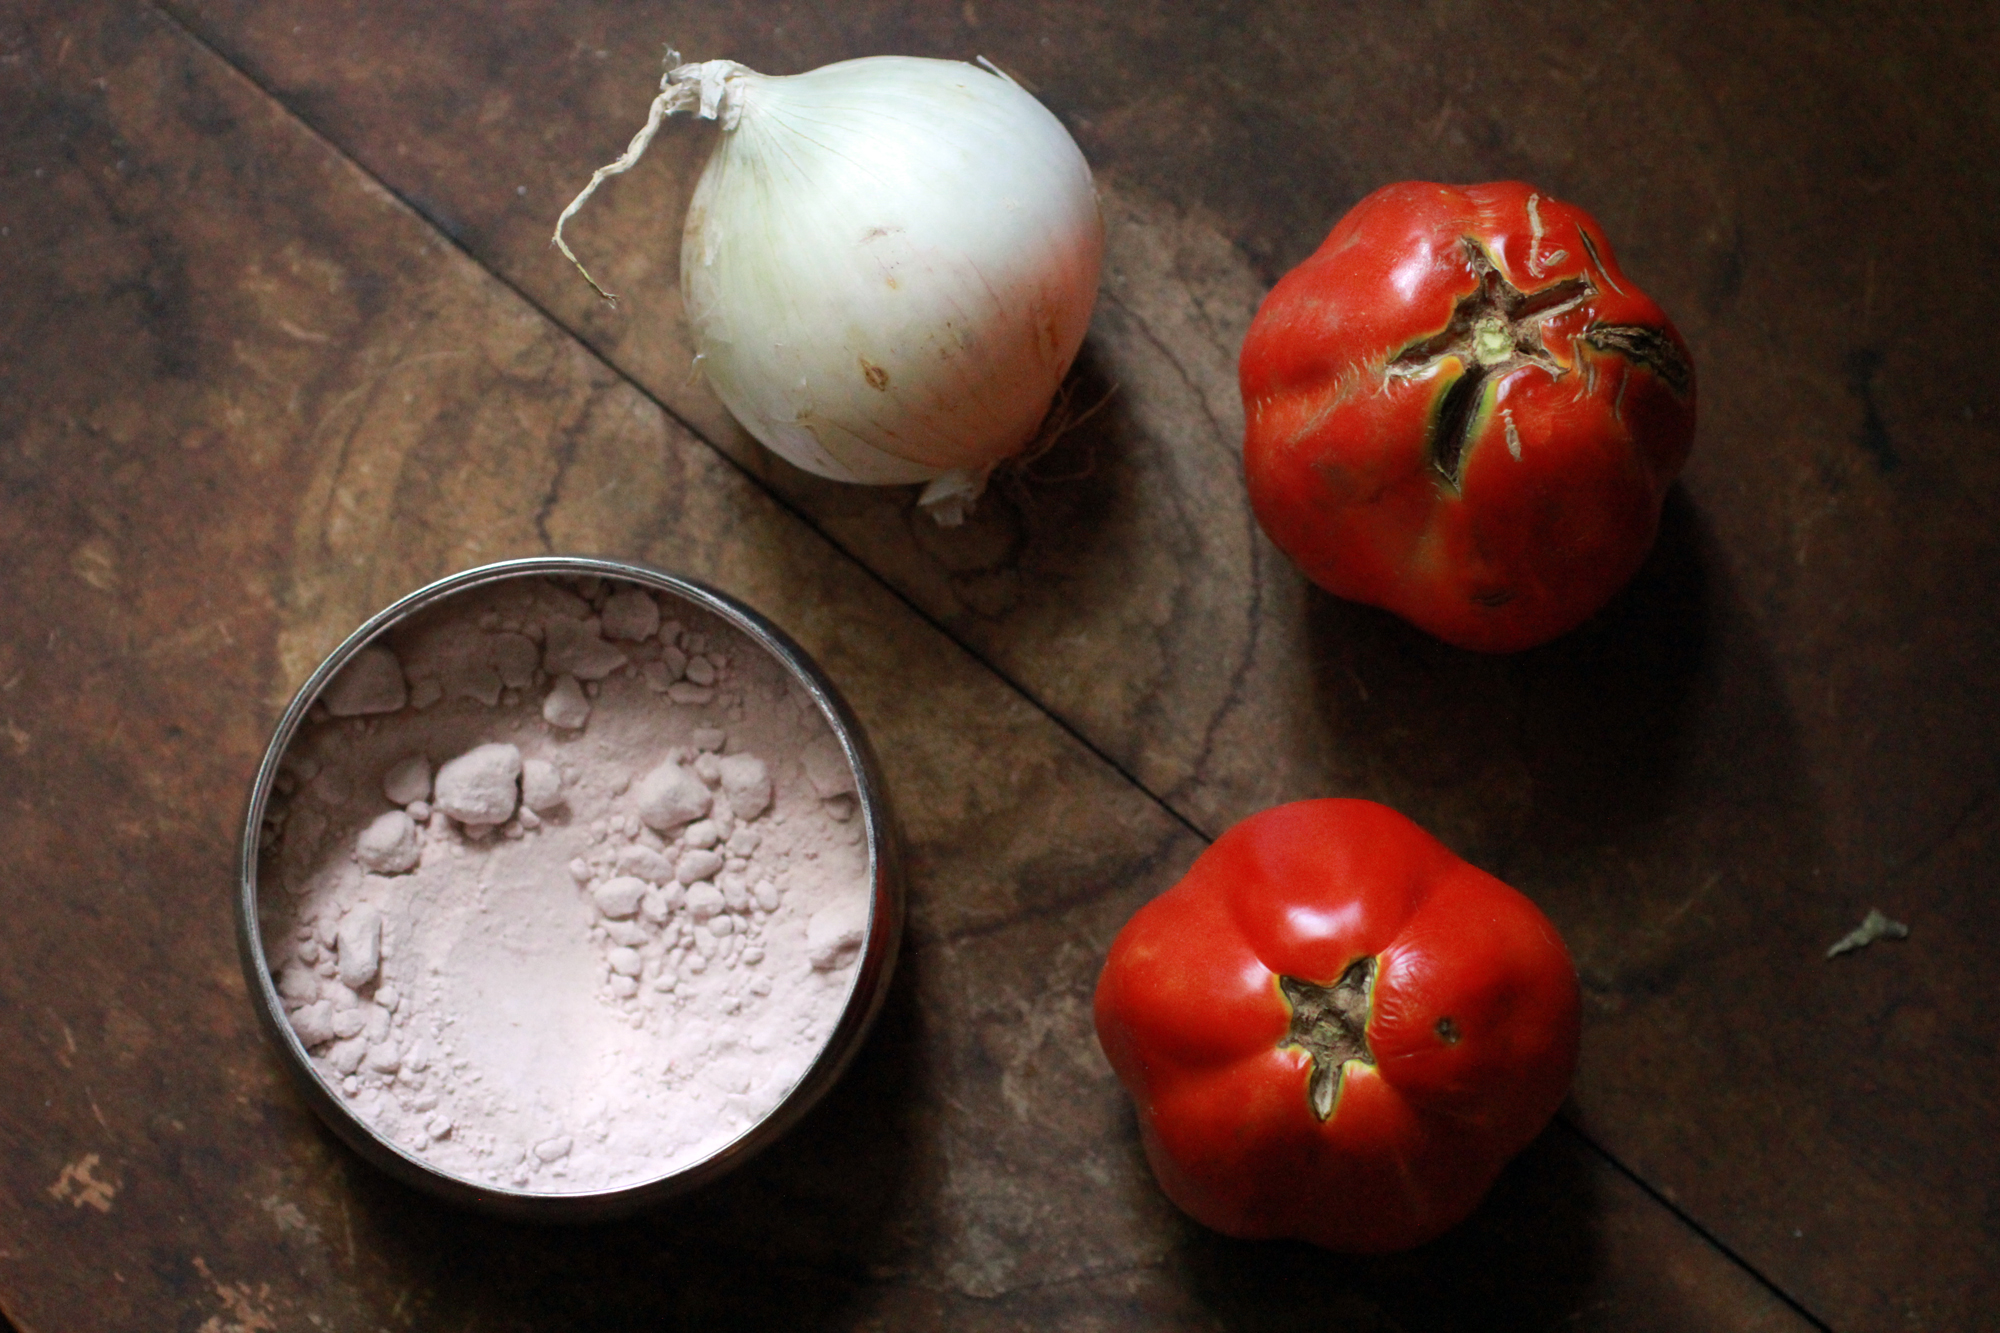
[(889, 264)]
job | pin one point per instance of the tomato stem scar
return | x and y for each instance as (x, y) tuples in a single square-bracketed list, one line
[(1535, 261), (1590, 248), (1330, 1024), (1494, 330), (1646, 347)]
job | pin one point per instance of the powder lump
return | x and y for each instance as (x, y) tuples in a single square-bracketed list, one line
[(565, 893)]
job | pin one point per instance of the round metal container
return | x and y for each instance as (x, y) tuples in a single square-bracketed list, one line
[(872, 968)]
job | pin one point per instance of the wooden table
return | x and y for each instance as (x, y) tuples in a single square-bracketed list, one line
[(281, 338)]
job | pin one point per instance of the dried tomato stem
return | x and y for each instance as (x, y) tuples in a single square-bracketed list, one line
[(1330, 1024)]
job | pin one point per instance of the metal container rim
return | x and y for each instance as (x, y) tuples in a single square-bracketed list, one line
[(865, 995)]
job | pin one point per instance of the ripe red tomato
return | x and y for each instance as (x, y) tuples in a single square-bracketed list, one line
[(1336, 1030), (1461, 410)]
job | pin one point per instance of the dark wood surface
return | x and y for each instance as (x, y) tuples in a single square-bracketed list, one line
[(281, 338)]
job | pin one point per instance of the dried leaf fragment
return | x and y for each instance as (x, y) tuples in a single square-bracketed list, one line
[(1873, 927)]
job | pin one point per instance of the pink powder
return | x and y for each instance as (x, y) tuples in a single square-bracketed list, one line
[(567, 895)]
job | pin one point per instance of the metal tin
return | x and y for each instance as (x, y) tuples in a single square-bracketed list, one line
[(873, 967)]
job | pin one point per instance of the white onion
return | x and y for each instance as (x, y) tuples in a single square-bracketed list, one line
[(888, 264)]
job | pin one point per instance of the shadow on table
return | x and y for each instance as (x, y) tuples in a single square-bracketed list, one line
[(1529, 1258), (1587, 731)]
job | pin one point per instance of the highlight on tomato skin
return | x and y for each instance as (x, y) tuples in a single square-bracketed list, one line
[(1462, 410), (1335, 1030)]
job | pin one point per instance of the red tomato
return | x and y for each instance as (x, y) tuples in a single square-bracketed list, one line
[(1461, 410), (1336, 1030)]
